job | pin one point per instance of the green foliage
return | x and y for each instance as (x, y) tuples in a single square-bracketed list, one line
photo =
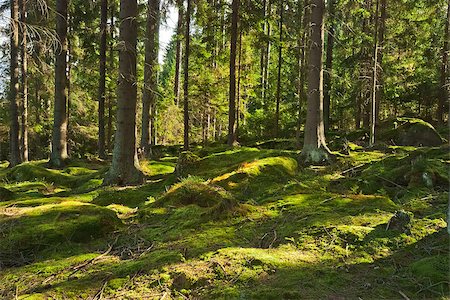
[(250, 225)]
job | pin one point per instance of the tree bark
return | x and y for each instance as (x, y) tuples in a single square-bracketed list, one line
[(187, 38), (263, 52), (59, 154), (232, 88), (445, 71), (267, 55), (373, 109), (329, 65), (24, 55), (315, 149), (178, 55), (381, 35), (148, 137), (238, 107), (111, 92), (14, 139), (280, 62), (302, 64), (102, 83), (125, 164)]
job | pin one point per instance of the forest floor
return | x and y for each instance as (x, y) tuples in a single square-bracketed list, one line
[(249, 223)]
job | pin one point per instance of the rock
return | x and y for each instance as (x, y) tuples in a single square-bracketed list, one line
[(5, 194), (185, 162), (401, 221), (410, 132)]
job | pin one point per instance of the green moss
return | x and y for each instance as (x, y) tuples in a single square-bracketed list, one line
[(434, 268), (33, 231), (193, 191), (5, 194), (290, 233)]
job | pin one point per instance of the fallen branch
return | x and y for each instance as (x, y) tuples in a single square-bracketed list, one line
[(403, 295)]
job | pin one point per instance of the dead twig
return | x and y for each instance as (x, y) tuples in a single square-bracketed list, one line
[(403, 295)]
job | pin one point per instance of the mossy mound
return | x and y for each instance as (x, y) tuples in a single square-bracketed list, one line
[(25, 237), (409, 132), (127, 197), (36, 172), (5, 194), (185, 162), (194, 191), (423, 168)]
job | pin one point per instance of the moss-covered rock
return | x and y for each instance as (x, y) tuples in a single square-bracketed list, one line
[(410, 132), (5, 194)]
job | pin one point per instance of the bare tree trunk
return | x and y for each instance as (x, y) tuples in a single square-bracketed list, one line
[(111, 92), (14, 139), (24, 55), (238, 107), (69, 79), (187, 38), (178, 55), (59, 138), (280, 62), (381, 35), (232, 91), (102, 84), (150, 75), (125, 164), (267, 55), (445, 71), (315, 149), (373, 110), (263, 52), (302, 64), (329, 65)]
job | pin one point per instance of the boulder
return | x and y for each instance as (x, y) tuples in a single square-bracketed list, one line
[(410, 132)]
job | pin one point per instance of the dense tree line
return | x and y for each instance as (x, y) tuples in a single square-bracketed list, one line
[(86, 73)]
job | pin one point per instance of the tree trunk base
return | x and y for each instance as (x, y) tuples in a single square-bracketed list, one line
[(131, 176), (58, 163), (316, 156)]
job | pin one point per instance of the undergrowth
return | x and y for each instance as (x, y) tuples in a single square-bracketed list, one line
[(244, 223)]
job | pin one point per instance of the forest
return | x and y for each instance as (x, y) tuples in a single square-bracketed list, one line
[(224, 149)]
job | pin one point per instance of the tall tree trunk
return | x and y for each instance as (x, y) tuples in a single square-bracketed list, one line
[(263, 52), (329, 65), (238, 107), (14, 134), (178, 55), (111, 92), (187, 38), (373, 109), (302, 65), (381, 35), (125, 164), (315, 149), (102, 84), (267, 55), (232, 90), (24, 55), (445, 71), (69, 79), (280, 62), (150, 75), (59, 137)]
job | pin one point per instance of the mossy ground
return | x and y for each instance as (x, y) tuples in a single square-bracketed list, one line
[(250, 224)]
